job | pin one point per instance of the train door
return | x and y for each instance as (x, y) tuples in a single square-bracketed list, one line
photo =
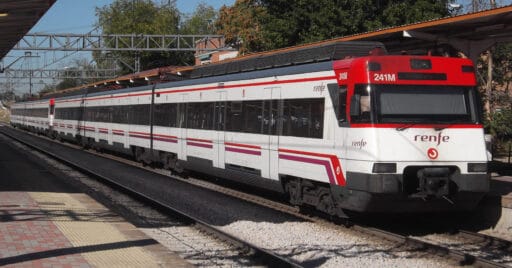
[(80, 126), (219, 118), (51, 114), (272, 115), (182, 124), (338, 96)]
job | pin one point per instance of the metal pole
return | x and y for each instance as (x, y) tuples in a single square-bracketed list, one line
[(30, 84), (509, 151), (488, 88)]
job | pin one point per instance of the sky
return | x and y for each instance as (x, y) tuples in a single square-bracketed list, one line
[(77, 17)]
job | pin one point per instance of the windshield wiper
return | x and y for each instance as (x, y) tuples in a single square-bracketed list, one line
[(406, 126), (438, 125)]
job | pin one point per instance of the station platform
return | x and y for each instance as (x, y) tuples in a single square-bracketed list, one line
[(495, 211), (501, 183), (502, 186), (45, 222)]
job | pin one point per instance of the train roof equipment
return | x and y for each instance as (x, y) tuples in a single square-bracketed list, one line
[(300, 55), (323, 52)]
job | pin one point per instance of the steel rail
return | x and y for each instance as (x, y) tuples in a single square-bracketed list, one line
[(460, 257), (456, 255), (262, 255)]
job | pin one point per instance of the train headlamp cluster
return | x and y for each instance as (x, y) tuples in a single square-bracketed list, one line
[(421, 64), (477, 167), (374, 66), (384, 168), (468, 69)]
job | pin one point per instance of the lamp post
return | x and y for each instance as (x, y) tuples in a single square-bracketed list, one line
[(28, 54)]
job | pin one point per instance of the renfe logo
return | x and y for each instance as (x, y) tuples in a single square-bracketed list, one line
[(432, 138), (432, 153), (320, 88)]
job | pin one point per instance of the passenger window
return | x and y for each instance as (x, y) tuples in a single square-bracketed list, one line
[(270, 117), (200, 115), (303, 118)]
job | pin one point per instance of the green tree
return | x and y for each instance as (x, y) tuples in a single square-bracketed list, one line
[(7, 96), (202, 21), (502, 69), (80, 66), (288, 23), (500, 126), (47, 89), (140, 17), (410, 11), (241, 25)]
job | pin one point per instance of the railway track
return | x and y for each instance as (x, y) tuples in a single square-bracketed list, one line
[(261, 255), (459, 257), (481, 245)]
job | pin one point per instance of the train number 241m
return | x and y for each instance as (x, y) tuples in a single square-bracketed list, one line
[(384, 77)]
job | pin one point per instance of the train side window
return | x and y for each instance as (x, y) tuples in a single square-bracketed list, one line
[(181, 115), (139, 114), (200, 115), (164, 114), (159, 115), (270, 117), (252, 116), (220, 117), (120, 115), (103, 114), (303, 118), (192, 115), (234, 116)]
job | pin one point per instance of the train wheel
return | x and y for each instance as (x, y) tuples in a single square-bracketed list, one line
[(178, 168), (139, 155), (293, 188), (85, 143), (325, 202), (169, 161)]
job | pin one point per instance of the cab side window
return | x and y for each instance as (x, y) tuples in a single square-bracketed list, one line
[(339, 102), (361, 105)]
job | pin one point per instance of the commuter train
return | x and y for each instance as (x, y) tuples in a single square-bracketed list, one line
[(337, 127)]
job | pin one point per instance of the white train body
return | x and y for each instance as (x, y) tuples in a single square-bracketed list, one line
[(302, 130)]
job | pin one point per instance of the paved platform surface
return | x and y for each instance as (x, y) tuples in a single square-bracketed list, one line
[(502, 186), (45, 222), (501, 183)]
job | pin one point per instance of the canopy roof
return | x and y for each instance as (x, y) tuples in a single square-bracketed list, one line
[(17, 17)]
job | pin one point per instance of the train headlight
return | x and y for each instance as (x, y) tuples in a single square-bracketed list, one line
[(384, 168), (477, 167)]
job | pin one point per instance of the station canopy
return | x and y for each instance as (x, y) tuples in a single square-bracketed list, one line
[(471, 33), (17, 17)]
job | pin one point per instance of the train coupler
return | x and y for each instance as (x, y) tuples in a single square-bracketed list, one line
[(434, 182)]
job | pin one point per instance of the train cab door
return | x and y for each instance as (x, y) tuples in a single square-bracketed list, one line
[(338, 94), (271, 114)]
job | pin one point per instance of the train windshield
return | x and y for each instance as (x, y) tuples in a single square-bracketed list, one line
[(423, 104)]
